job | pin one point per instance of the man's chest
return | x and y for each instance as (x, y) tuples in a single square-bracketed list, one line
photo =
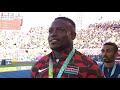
[(71, 71)]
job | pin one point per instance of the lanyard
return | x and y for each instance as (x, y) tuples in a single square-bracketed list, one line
[(112, 72), (50, 68), (63, 66)]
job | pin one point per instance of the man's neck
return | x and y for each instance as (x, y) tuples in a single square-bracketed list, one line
[(109, 65), (58, 53)]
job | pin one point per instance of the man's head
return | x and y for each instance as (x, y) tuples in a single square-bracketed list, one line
[(109, 52), (61, 34)]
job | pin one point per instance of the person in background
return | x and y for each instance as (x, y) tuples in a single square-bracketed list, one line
[(109, 67), (64, 61)]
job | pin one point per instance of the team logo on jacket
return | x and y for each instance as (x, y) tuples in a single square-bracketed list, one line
[(71, 70)]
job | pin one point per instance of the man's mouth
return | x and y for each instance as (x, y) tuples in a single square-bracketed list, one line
[(105, 58), (54, 41)]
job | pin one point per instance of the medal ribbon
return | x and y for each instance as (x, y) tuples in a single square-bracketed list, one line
[(63, 66), (112, 72)]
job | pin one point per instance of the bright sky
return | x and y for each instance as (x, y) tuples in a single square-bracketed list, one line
[(82, 19), (92, 17), (32, 19)]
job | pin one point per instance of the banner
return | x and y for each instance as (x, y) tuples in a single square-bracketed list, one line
[(10, 21)]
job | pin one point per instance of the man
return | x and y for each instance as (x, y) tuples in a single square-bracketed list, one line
[(109, 67), (64, 61)]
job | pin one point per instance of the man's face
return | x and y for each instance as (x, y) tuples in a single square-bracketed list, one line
[(108, 54), (60, 35)]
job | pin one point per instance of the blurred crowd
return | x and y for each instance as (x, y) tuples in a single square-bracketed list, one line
[(36, 38), (97, 34)]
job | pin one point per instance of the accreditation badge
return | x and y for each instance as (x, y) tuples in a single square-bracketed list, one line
[(118, 75)]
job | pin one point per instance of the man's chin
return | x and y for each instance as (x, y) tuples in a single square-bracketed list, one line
[(57, 48)]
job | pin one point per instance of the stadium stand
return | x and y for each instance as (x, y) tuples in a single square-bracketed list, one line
[(13, 44)]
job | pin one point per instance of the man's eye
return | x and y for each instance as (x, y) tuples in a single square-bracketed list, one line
[(102, 51), (61, 30), (108, 51), (50, 31)]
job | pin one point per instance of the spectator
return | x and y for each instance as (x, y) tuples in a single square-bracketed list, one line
[(109, 67)]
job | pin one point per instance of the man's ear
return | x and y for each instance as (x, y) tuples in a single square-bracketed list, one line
[(73, 35), (116, 54)]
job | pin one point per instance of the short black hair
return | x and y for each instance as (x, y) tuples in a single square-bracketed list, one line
[(112, 44), (68, 20)]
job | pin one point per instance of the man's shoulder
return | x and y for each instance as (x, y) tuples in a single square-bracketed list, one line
[(118, 64), (85, 59), (43, 59), (90, 65), (118, 68), (79, 53)]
